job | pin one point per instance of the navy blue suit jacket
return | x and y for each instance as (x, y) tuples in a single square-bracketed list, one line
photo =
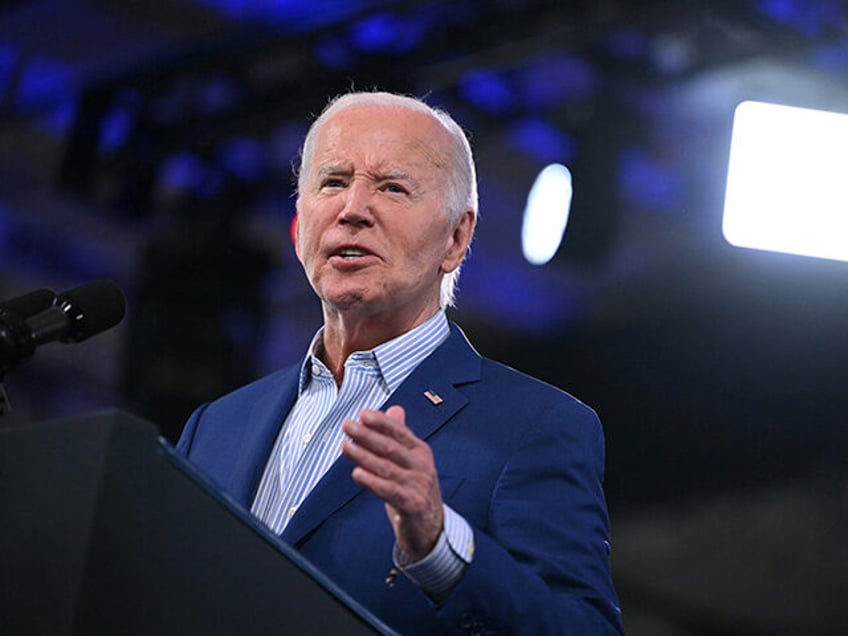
[(521, 460)]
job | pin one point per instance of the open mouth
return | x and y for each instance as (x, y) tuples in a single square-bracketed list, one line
[(351, 252)]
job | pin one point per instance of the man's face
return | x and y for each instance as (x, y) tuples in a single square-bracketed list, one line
[(373, 233)]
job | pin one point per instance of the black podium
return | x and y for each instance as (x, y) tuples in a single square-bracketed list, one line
[(104, 529)]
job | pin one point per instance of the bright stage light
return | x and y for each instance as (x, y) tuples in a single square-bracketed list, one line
[(787, 181), (546, 214)]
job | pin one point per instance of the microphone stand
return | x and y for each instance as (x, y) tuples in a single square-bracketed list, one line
[(8, 418)]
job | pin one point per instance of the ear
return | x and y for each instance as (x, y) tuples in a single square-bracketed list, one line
[(295, 230), (460, 239)]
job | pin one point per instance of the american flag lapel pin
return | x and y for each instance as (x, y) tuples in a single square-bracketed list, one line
[(435, 398)]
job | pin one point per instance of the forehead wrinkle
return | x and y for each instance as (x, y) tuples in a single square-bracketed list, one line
[(334, 168), (418, 153), (414, 151), (432, 154)]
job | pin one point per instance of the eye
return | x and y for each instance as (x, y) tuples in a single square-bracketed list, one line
[(394, 188), (332, 182)]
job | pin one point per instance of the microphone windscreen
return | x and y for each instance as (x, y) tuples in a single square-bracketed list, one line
[(92, 308)]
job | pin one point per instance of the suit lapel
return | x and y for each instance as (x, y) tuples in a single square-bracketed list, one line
[(266, 416), (452, 364)]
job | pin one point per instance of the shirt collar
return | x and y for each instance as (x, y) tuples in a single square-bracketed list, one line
[(395, 359)]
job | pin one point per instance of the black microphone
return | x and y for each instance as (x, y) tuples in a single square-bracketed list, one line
[(15, 335), (79, 313), (75, 315), (23, 307)]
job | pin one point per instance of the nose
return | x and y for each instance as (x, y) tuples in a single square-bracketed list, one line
[(357, 208)]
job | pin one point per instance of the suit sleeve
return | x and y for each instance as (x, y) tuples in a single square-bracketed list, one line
[(542, 566), (189, 430)]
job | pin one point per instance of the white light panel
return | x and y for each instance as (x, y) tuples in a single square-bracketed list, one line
[(787, 182), (546, 214)]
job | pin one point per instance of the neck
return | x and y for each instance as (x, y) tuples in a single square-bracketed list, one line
[(344, 334)]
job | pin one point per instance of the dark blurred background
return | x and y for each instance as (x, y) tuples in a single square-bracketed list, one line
[(153, 143)]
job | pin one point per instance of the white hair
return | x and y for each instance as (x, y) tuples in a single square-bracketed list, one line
[(461, 193)]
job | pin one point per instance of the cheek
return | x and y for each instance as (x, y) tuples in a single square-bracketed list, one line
[(304, 238), (431, 247), (299, 241)]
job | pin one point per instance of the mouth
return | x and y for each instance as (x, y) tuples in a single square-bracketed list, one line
[(351, 256), (351, 252)]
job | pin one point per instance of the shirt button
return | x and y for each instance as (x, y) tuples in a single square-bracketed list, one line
[(316, 370), (292, 510), (306, 437)]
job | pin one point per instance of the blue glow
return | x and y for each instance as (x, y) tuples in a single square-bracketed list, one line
[(8, 59), (116, 126), (182, 171), (375, 33), (831, 58), (488, 91), (810, 17), (521, 296), (783, 11), (43, 83), (115, 129), (29, 248), (553, 79), (4, 229), (334, 52), (386, 32), (649, 183), (46, 89), (542, 140), (285, 143), (628, 44), (245, 158), (217, 94), (295, 15), (234, 8), (455, 12), (60, 118)]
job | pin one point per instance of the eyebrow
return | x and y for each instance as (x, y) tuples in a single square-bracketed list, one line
[(388, 175), (395, 175), (331, 170)]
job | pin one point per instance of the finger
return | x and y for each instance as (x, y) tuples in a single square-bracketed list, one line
[(376, 441), (384, 489), (416, 474), (407, 488), (392, 423), (408, 501), (372, 462), (379, 477), (376, 433)]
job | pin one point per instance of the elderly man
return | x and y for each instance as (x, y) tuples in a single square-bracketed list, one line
[(445, 492)]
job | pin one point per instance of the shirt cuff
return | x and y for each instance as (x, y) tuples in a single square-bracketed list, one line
[(440, 571)]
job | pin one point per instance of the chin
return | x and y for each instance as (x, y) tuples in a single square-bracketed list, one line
[(344, 301)]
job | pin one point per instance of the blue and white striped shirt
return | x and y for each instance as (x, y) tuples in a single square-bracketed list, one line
[(310, 442)]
